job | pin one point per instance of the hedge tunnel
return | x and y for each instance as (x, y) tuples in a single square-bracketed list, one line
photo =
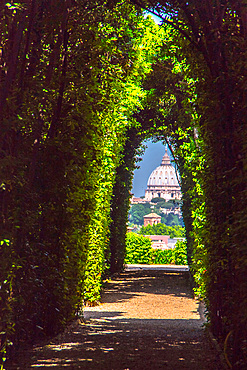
[(82, 84)]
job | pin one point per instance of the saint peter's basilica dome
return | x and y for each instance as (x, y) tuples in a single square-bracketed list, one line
[(163, 182)]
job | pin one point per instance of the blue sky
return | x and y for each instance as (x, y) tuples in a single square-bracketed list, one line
[(155, 18), (151, 159)]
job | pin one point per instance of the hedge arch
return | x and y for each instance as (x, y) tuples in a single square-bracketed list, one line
[(82, 85), (212, 159)]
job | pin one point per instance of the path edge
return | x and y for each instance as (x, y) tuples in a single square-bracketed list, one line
[(210, 336)]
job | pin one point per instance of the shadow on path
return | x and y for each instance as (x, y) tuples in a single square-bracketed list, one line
[(148, 320)]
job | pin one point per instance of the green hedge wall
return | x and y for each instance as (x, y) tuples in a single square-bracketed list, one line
[(73, 80), (139, 251)]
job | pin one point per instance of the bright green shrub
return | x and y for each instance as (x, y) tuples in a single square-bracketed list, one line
[(176, 256), (138, 249), (180, 253), (163, 257), (175, 231)]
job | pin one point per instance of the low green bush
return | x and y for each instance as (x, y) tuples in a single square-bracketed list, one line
[(175, 231), (176, 256), (163, 257), (139, 250)]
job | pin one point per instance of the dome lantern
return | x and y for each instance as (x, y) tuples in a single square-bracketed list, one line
[(166, 159)]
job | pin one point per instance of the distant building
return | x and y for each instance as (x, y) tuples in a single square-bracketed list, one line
[(159, 241), (172, 242), (163, 182), (175, 211), (152, 219), (133, 229), (163, 241), (136, 200)]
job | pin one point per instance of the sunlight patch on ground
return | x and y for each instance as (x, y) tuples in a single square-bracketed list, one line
[(52, 363), (63, 346), (47, 365), (59, 363), (106, 349), (178, 268), (101, 332)]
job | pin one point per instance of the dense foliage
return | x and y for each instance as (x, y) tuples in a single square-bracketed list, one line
[(71, 76), (139, 251), (175, 256), (161, 229), (138, 211), (172, 219), (121, 199)]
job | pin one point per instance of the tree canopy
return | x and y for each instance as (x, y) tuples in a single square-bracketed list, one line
[(161, 229)]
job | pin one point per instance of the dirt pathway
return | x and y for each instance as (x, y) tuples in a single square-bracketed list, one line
[(148, 320)]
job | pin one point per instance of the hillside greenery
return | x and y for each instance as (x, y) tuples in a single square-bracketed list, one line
[(161, 229), (138, 211)]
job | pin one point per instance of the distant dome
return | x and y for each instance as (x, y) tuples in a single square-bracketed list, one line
[(165, 174), (163, 181)]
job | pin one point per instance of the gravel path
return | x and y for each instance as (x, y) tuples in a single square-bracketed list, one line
[(148, 319)]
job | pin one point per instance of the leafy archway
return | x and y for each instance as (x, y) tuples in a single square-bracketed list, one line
[(212, 41), (82, 84)]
